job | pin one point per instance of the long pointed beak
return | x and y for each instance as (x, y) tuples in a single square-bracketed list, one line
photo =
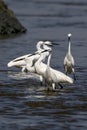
[(55, 43), (40, 52), (51, 44), (46, 50)]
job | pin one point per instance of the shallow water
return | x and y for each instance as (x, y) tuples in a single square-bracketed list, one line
[(24, 104)]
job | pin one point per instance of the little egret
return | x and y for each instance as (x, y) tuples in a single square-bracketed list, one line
[(53, 77), (20, 61), (33, 58), (50, 75), (69, 60)]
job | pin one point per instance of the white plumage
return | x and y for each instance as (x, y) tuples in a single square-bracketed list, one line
[(53, 77), (34, 63), (31, 61), (69, 60), (50, 75), (20, 61)]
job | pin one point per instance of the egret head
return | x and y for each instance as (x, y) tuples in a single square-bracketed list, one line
[(69, 36), (39, 44), (49, 43)]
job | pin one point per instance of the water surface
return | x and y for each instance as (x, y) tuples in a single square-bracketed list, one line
[(24, 104)]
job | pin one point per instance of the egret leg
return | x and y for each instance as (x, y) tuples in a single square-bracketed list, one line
[(45, 83), (53, 86), (74, 76), (24, 69), (41, 83), (50, 87), (66, 72), (47, 87), (41, 80), (65, 69), (60, 85)]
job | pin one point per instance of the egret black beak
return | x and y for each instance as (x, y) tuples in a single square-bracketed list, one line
[(40, 52), (50, 44), (55, 43), (46, 50)]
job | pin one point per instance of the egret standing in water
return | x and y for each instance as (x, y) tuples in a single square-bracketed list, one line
[(53, 77), (27, 62), (50, 75), (32, 59), (69, 60)]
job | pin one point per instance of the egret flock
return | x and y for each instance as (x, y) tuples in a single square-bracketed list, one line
[(34, 63)]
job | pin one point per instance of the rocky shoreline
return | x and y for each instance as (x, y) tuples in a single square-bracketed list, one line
[(9, 24)]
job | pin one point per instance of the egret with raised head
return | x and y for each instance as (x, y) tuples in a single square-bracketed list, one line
[(53, 77), (69, 60), (50, 75)]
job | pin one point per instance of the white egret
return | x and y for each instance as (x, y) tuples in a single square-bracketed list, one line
[(50, 75), (53, 77), (40, 66), (20, 61), (27, 62), (32, 59), (69, 60)]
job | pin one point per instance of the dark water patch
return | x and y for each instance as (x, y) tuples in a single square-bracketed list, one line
[(44, 15), (68, 3), (63, 24), (60, 14)]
